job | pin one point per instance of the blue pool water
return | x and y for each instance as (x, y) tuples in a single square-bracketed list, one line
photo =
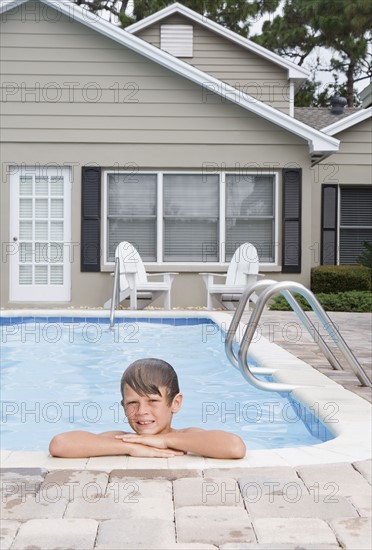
[(64, 374)]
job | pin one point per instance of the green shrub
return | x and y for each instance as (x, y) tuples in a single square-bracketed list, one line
[(365, 257), (341, 301), (340, 278)]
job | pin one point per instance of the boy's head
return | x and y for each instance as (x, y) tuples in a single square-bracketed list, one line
[(151, 395)]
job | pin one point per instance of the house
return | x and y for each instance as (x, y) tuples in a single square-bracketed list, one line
[(345, 196), (175, 134)]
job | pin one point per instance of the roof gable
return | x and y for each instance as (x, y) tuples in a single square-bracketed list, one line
[(320, 144), (294, 71)]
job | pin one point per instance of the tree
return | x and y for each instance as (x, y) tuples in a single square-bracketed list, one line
[(236, 15), (341, 26), (313, 94)]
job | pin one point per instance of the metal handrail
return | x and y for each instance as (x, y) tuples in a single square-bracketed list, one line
[(115, 293), (285, 288)]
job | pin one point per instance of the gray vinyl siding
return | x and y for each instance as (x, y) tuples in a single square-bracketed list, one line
[(73, 85), (354, 158), (172, 126), (229, 62), (350, 166)]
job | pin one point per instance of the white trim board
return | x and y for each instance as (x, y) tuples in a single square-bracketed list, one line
[(319, 143)]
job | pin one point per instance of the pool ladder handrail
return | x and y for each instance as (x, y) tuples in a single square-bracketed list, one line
[(270, 288), (115, 293)]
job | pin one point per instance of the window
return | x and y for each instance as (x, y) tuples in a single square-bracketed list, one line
[(355, 222), (190, 217)]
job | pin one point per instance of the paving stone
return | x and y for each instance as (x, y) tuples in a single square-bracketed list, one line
[(129, 498), (302, 531), (365, 468), (50, 534), (30, 506), (21, 480), (107, 463), (185, 462), (334, 479), (281, 472), (170, 474), (206, 492), (362, 502), (72, 484), (353, 533), (213, 525), (165, 546), (138, 463), (253, 489), (140, 531), (281, 506), (8, 531), (188, 546), (275, 546), (34, 474)]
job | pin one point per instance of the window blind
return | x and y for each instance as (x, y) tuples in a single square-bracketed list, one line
[(131, 213), (191, 210), (250, 209), (355, 222)]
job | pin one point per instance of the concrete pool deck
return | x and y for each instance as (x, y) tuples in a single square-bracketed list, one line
[(281, 499)]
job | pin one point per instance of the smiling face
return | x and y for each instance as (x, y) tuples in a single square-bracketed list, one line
[(150, 413)]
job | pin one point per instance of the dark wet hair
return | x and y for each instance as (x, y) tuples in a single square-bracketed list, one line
[(146, 376)]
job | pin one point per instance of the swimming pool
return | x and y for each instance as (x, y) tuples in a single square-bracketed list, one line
[(63, 373)]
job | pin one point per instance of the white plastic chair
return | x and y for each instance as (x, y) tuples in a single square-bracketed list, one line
[(242, 273), (133, 280)]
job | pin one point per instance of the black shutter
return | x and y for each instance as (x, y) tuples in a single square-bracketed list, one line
[(291, 222), (91, 218), (328, 244)]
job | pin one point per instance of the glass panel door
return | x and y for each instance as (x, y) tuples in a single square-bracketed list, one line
[(40, 235)]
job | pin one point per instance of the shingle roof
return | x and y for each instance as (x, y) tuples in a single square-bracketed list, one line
[(320, 117)]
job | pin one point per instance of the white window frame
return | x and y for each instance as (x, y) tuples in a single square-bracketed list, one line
[(160, 218)]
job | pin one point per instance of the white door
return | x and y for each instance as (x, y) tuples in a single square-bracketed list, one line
[(40, 235)]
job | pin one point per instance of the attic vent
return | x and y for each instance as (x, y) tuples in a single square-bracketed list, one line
[(177, 40)]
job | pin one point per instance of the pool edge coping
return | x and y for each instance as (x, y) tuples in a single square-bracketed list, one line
[(349, 418)]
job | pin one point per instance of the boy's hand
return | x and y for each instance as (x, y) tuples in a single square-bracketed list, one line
[(147, 446)]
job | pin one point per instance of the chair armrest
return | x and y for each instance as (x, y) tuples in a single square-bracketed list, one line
[(161, 274), (208, 278), (214, 274)]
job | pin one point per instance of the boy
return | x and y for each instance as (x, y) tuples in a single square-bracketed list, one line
[(151, 396)]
